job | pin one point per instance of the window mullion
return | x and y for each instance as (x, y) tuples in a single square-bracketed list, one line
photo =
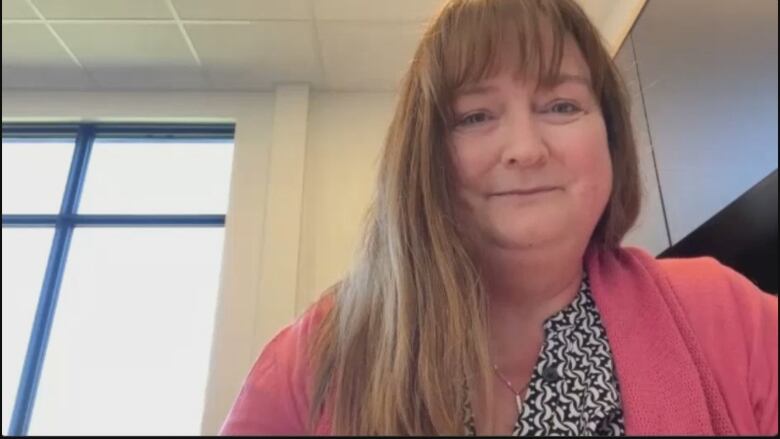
[(49, 295)]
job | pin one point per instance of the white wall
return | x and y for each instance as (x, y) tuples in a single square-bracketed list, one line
[(303, 176), (708, 70)]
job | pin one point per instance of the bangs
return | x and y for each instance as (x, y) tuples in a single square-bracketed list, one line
[(473, 38)]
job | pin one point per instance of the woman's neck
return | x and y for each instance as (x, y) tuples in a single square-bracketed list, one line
[(534, 281), (525, 288)]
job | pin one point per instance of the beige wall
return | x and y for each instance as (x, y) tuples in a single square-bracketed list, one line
[(345, 134)]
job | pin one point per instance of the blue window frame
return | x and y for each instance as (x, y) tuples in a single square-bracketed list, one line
[(68, 218)]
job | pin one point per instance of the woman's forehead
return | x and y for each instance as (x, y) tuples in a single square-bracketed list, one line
[(572, 68), (571, 59)]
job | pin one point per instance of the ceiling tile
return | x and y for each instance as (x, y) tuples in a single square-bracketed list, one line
[(133, 56), (367, 56), (18, 9), (396, 10), (126, 45), (260, 54), (103, 9), (243, 9), (32, 44), (33, 58), (364, 44)]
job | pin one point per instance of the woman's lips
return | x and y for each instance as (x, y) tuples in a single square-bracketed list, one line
[(523, 192)]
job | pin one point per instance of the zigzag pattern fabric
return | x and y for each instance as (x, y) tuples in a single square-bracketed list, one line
[(573, 389)]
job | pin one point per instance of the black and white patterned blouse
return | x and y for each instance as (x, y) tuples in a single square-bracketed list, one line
[(573, 390)]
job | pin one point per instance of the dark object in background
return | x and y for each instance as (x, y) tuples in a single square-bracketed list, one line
[(743, 236)]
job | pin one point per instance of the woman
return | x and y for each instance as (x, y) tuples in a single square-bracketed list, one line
[(491, 295)]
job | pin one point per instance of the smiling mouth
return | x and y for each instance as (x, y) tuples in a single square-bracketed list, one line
[(532, 191)]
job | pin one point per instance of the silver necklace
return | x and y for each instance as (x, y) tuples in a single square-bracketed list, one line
[(518, 398)]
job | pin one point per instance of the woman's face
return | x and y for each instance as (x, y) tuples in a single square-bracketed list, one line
[(532, 166)]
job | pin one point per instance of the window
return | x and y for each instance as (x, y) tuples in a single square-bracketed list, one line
[(112, 247)]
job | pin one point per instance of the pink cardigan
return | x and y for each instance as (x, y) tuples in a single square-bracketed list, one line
[(694, 345)]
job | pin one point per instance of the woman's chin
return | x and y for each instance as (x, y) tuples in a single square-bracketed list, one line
[(517, 237)]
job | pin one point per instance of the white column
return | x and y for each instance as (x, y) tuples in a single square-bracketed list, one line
[(233, 348), (279, 262)]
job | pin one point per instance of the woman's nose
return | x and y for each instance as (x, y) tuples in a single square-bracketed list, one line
[(523, 145)]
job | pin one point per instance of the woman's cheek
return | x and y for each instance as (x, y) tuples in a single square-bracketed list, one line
[(471, 162), (599, 177), (591, 165)]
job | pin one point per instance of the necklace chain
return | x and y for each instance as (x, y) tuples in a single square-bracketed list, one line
[(518, 398)]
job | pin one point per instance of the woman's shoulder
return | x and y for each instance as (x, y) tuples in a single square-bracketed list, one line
[(723, 306), (719, 307), (702, 285), (723, 316), (710, 290), (305, 326), (289, 347), (274, 397), (736, 324), (291, 342)]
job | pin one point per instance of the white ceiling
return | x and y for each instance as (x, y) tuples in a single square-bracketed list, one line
[(349, 45)]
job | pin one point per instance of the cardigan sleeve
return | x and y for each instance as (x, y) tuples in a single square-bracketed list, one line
[(736, 326), (760, 320)]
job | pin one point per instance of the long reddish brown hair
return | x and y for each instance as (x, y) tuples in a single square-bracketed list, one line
[(408, 328)]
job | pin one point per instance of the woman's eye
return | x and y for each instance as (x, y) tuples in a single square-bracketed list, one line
[(474, 118), (564, 108)]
